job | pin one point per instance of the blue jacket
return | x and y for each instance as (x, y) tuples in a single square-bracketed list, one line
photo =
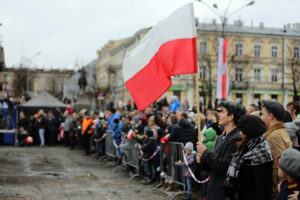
[(117, 133), (174, 106), (111, 119)]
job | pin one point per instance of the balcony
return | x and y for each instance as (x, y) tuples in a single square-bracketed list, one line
[(241, 85)]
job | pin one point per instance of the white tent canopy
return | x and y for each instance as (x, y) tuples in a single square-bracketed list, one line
[(43, 99)]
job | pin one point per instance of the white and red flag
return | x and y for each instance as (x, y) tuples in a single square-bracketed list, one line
[(130, 134), (223, 79), (168, 49)]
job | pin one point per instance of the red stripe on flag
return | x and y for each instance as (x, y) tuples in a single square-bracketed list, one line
[(173, 58), (225, 44)]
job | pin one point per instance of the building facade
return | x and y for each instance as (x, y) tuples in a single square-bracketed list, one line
[(263, 64), (38, 80)]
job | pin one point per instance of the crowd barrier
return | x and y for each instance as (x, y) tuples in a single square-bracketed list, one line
[(169, 154), (131, 156), (110, 149), (168, 157)]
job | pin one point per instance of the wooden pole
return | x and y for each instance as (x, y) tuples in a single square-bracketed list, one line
[(198, 108)]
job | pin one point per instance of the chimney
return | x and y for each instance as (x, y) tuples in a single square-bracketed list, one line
[(261, 25), (288, 26), (214, 21)]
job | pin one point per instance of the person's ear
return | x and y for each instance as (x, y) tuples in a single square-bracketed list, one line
[(231, 117), (271, 116)]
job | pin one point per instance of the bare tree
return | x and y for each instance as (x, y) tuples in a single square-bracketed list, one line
[(293, 71), (19, 81)]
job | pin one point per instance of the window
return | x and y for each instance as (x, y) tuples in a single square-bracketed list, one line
[(256, 75), (239, 49), (274, 75), (257, 50), (256, 98), (178, 94), (203, 47), (274, 51), (239, 98), (202, 73), (296, 53), (238, 74), (274, 97)]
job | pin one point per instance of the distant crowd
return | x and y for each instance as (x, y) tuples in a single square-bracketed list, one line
[(243, 153)]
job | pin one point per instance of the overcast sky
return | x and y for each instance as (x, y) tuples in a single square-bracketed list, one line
[(66, 32)]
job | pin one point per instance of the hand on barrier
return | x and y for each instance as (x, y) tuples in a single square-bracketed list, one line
[(178, 162)]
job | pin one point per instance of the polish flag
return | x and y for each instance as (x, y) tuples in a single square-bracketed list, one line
[(168, 49), (223, 79), (130, 134)]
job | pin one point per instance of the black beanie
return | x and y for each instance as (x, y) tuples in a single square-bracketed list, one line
[(275, 108), (149, 133), (252, 126)]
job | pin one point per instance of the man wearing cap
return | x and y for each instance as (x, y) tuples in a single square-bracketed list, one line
[(278, 138), (218, 161)]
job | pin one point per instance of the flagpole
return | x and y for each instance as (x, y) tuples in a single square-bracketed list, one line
[(198, 108)]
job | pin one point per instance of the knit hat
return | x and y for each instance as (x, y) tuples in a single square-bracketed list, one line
[(149, 133), (252, 126), (275, 108), (290, 163), (189, 146)]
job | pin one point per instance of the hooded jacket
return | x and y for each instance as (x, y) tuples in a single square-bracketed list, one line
[(183, 132), (209, 142)]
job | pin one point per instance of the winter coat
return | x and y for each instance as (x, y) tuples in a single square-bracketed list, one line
[(218, 162), (72, 129), (190, 158), (149, 148), (255, 182), (23, 123), (278, 140), (52, 124), (117, 133), (287, 189), (68, 121), (183, 132), (41, 122)]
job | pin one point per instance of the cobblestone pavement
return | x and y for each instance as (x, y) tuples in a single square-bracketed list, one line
[(58, 173)]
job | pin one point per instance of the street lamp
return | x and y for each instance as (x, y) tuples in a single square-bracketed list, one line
[(28, 60), (224, 15)]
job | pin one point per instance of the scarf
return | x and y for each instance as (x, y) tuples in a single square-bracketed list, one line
[(256, 153)]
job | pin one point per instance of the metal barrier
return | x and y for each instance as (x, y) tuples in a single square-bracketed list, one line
[(131, 156), (110, 149), (169, 154)]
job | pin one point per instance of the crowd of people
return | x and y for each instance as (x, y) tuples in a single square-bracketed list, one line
[(244, 154)]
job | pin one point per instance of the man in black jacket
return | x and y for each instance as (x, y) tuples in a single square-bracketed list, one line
[(218, 161), (183, 131)]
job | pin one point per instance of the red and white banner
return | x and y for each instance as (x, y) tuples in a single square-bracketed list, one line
[(168, 49), (130, 134), (223, 78)]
